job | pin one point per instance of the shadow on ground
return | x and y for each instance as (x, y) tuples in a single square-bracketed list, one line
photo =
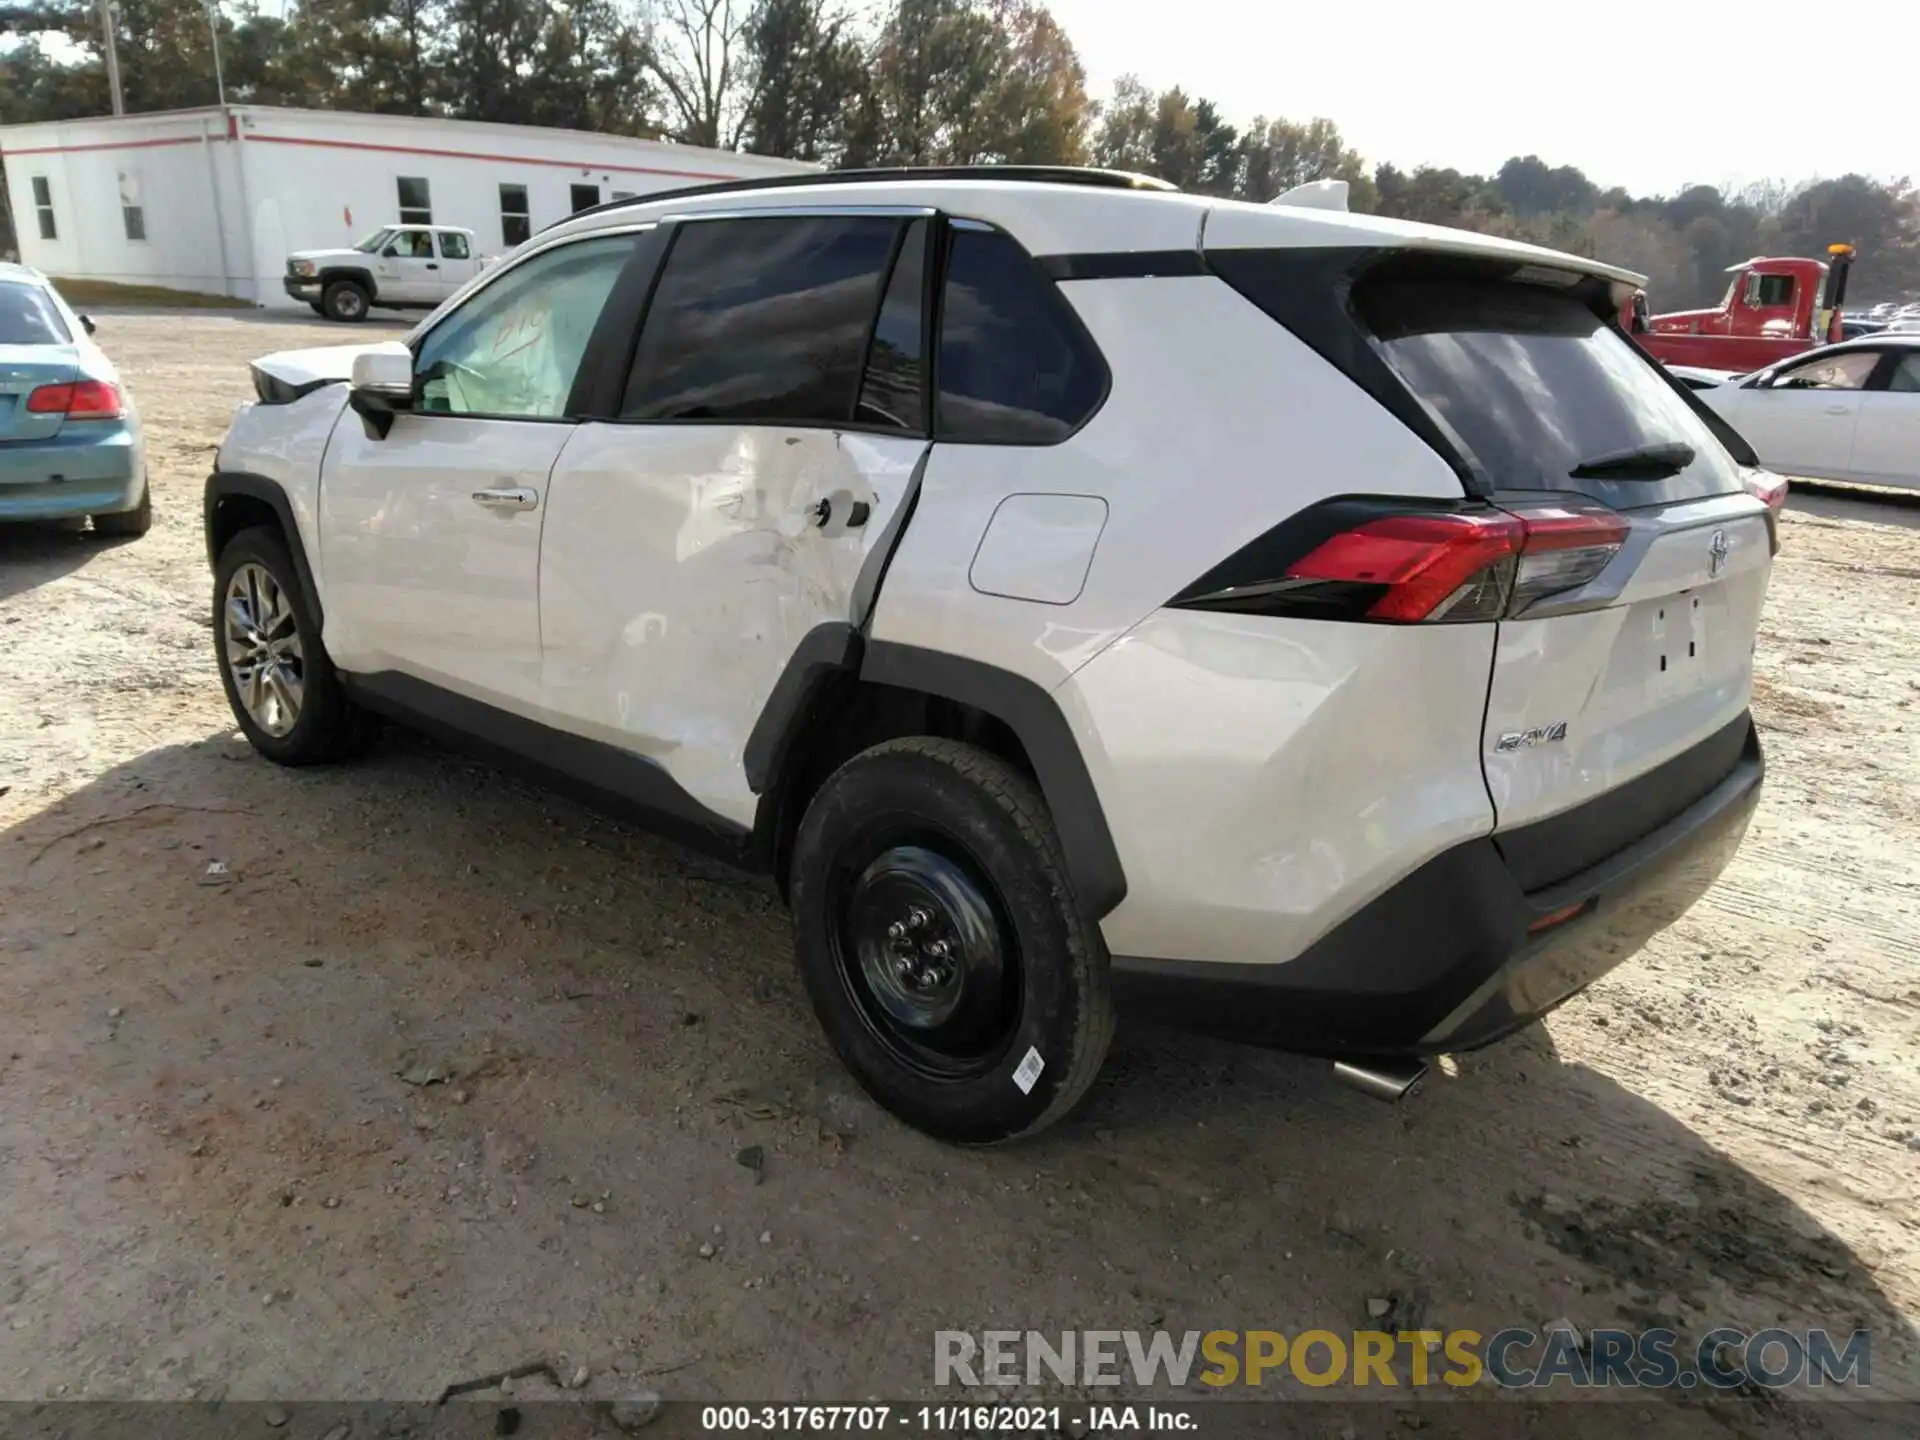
[(351, 1083), (36, 551)]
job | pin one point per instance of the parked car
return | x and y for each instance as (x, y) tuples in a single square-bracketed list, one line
[(69, 434), (1073, 616), (397, 267), (1846, 412)]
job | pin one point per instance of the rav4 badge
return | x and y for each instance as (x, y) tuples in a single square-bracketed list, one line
[(1527, 739)]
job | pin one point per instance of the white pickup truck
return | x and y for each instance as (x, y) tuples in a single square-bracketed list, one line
[(397, 267)]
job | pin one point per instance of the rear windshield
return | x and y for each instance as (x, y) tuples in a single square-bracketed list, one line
[(1533, 384), (27, 317)]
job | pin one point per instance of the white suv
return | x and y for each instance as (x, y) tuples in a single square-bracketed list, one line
[(1316, 629)]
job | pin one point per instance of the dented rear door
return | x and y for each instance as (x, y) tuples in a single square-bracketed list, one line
[(733, 516)]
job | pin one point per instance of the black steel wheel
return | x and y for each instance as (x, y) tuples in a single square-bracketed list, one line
[(941, 944), (927, 957)]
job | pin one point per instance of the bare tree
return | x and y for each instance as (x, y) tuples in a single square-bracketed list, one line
[(697, 51)]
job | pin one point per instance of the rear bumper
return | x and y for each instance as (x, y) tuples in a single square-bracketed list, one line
[(77, 472), (1459, 954)]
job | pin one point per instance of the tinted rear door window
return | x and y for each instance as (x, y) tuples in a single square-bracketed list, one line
[(1532, 384), (1015, 365), (761, 320)]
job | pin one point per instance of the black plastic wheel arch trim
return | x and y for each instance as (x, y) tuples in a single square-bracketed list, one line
[(825, 651), (225, 485), (362, 278), (1099, 881), (615, 781)]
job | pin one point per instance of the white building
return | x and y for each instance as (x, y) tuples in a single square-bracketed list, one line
[(213, 200)]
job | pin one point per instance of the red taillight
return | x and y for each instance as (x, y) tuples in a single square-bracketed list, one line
[(1765, 486), (1468, 565), (1374, 558), (1431, 565), (80, 400), (1771, 490)]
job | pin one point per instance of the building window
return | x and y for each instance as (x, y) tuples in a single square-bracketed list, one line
[(43, 207), (585, 196), (135, 219), (416, 207), (516, 221)]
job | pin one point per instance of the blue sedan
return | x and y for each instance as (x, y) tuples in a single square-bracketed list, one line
[(69, 435)]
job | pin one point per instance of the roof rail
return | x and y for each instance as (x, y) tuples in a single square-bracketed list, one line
[(1029, 174)]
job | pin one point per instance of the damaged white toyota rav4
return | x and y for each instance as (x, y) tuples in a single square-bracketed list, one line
[(1083, 598)]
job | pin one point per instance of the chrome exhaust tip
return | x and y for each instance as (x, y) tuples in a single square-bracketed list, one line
[(1382, 1079)]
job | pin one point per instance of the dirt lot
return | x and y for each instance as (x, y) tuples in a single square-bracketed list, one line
[(218, 1178)]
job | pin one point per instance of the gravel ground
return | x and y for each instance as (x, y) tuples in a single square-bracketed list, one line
[(224, 1177)]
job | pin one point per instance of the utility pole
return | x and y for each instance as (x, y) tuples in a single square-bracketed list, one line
[(113, 57), (213, 29)]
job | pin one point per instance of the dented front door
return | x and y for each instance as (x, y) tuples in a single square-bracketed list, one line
[(682, 565)]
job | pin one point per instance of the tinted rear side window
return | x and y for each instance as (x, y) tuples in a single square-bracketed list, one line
[(1015, 366), (1532, 383), (761, 320), (27, 317)]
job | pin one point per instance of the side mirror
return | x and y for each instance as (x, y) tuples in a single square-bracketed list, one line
[(392, 252), (382, 384), (86, 323)]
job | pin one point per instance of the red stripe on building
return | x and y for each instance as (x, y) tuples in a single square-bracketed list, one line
[(111, 145), (481, 155), (385, 150)]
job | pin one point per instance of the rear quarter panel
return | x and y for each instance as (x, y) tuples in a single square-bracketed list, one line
[(1219, 425)]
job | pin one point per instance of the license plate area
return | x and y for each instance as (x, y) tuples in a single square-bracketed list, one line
[(1677, 640)]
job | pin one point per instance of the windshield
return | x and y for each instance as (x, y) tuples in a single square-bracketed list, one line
[(371, 243), (28, 317)]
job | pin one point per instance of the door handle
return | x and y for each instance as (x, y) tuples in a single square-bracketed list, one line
[(1839, 409), (841, 505), (509, 497), (433, 265)]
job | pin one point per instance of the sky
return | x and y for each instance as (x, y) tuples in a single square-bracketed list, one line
[(1468, 83)]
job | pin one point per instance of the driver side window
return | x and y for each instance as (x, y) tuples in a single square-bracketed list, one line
[(513, 349), (1848, 371)]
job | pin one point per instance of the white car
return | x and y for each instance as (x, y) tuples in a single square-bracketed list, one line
[(397, 267), (1697, 377), (1315, 628), (1843, 412)]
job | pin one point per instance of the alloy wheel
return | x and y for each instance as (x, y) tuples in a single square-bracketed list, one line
[(262, 648)]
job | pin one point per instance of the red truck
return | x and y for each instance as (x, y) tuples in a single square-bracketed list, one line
[(1775, 307)]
